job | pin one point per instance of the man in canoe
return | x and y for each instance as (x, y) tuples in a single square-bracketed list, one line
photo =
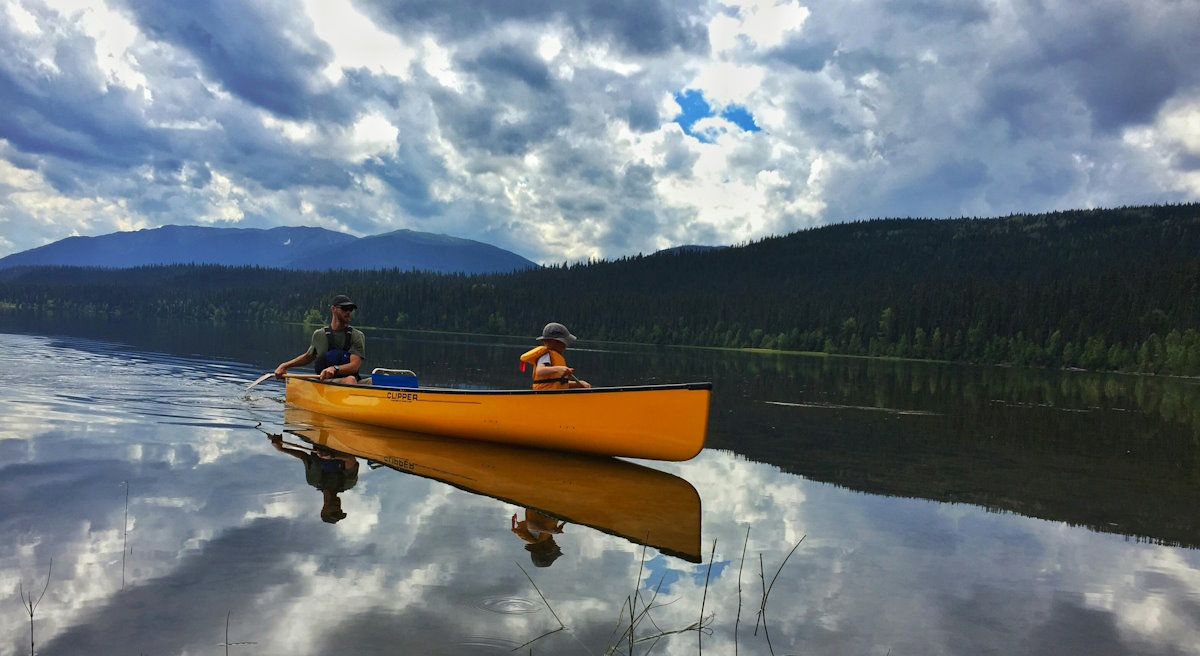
[(337, 349), (550, 370)]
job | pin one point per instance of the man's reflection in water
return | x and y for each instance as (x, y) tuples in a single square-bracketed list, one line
[(538, 530), (331, 472)]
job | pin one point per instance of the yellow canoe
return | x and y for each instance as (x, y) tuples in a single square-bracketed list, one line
[(640, 504), (656, 422)]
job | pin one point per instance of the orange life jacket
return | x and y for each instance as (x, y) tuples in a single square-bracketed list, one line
[(556, 359)]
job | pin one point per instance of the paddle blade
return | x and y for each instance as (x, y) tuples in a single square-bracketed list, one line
[(260, 379)]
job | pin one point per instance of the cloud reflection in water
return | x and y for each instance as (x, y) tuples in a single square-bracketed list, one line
[(221, 523)]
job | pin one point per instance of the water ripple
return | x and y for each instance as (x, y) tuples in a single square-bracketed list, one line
[(107, 384), (509, 605), (481, 645)]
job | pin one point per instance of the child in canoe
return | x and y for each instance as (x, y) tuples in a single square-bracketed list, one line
[(550, 370)]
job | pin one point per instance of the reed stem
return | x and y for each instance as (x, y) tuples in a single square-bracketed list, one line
[(125, 540), (738, 619), (704, 598), (31, 605)]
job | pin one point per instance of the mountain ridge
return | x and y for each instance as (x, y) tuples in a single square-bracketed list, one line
[(285, 247)]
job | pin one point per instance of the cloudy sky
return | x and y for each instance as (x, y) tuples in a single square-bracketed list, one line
[(570, 129)]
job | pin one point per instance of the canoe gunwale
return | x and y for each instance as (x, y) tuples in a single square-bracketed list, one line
[(452, 390)]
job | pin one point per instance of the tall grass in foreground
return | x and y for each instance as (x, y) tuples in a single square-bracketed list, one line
[(31, 604), (636, 609), (125, 539), (227, 644)]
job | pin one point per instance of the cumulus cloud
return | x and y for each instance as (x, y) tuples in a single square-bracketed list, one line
[(553, 128)]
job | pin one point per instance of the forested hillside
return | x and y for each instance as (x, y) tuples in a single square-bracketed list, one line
[(1098, 289)]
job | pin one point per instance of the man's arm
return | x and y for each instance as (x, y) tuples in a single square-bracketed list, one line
[(299, 360), (283, 447), (342, 370)]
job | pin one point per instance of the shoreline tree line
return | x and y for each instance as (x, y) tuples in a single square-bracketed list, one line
[(1109, 289)]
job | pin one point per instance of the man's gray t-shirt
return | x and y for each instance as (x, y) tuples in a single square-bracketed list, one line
[(358, 342)]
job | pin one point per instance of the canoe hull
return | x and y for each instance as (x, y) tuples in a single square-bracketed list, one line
[(657, 422)]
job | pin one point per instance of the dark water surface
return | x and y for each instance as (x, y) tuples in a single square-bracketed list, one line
[(943, 509)]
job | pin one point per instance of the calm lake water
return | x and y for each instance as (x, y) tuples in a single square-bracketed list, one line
[(938, 509)]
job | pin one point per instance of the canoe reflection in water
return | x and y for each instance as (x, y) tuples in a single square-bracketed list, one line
[(325, 469), (637, 503)]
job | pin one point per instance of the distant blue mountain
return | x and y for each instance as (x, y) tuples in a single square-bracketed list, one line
[(282, 248), (426, 251)]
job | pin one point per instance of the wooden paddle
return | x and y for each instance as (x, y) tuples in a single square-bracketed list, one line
[(573, 377), (260, 379)]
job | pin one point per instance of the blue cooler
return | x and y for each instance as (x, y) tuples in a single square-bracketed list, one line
[(393, 378)]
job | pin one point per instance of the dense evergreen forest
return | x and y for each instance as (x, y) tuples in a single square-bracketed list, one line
[(1111, 289)]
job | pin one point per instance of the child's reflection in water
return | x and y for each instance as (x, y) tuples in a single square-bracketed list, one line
[(537, 530)]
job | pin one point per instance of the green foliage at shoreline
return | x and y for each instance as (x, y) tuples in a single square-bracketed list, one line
[(1098, 289)]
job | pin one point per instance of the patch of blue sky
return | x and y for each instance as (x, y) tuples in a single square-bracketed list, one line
[(659, 568), (693, 107), (740, 117)]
